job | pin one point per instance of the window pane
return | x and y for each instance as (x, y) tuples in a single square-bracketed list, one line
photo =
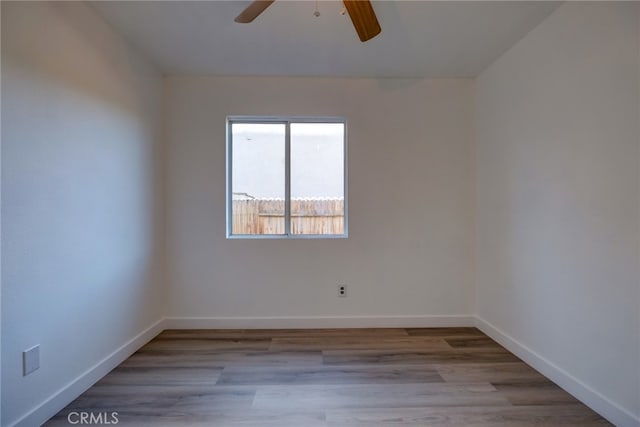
[(258, 182), (317, 178)]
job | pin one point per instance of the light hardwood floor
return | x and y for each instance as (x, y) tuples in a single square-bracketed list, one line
[(328, 377)]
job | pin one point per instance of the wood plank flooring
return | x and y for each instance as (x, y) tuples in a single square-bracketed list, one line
[(436, 377)]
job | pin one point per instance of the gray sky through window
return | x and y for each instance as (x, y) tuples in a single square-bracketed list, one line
[(317, 160)]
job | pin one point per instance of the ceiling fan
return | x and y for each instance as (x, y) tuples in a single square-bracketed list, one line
[(360, 11)]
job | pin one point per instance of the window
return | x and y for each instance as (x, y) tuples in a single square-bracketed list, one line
[(286, 177)]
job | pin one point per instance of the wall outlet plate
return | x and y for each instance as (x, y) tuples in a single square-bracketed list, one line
[(30, 360), (342, 291)]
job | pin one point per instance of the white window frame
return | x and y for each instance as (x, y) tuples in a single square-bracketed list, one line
[(287, 121)]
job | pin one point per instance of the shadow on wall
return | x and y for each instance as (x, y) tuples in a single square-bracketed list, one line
[(107, 61)]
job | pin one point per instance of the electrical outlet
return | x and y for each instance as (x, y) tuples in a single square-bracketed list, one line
[(342, 291), (30, 360)]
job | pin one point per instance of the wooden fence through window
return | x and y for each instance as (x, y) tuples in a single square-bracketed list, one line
[(308, 216)]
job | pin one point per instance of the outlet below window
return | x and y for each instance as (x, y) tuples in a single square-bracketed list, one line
[(342, 291)]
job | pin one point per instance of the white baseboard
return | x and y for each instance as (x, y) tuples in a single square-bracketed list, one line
[(419, 321), (76, 387), (599, 403), (596, 401)]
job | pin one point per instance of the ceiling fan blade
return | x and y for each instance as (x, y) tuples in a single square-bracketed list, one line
[(364, 18), (252, 11)]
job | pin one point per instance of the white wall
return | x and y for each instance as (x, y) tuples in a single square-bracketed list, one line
[(557, 202), (81, 199), (0, 233), (409, 253)]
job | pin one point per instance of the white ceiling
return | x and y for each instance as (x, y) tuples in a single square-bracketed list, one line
[(418, 39)]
